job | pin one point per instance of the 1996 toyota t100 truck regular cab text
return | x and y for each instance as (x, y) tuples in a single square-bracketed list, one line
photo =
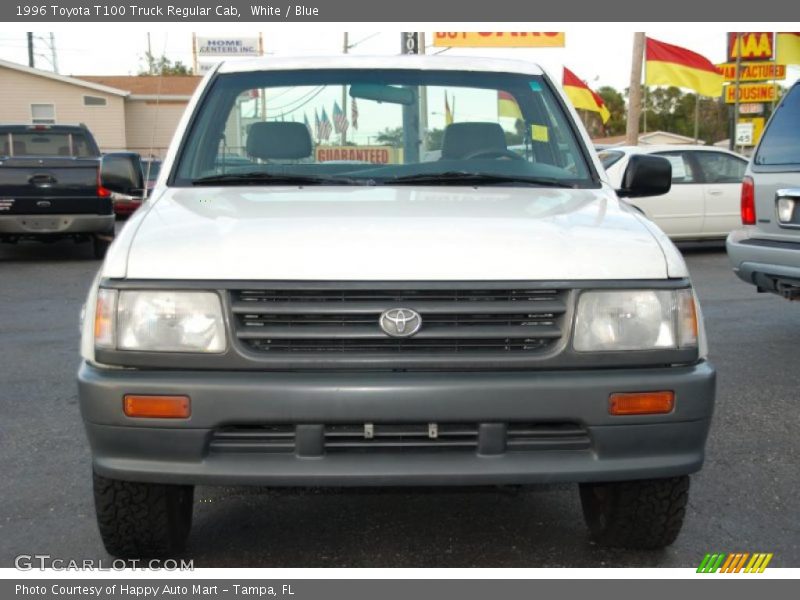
[(431, 307)]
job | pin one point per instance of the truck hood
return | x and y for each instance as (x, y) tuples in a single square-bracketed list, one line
[(388, 233)]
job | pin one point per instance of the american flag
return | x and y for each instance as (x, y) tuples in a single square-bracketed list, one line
[(325, 127), (354, 114), (316, 125), (339, 119)]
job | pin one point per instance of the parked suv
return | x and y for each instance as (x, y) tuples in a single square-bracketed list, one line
[(766, 251), (488, 317)]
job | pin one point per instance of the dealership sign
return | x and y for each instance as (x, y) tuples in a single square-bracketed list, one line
[(379, 155), (751, 92), (227, 46), (755, 45), (499, 39), (763, 71)]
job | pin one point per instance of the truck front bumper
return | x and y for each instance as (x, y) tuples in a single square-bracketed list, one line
[(599, 447), (33, 225)]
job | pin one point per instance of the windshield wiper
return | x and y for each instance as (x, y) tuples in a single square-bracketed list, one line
[(259, 178), (472, 178)]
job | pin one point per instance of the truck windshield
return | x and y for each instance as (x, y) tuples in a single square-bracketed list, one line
[(375, 126), (46, 143)]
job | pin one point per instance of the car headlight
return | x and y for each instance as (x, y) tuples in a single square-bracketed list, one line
[(635, 320), (159, 321)]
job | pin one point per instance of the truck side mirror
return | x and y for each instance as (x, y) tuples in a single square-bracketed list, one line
[(121, 172), (646, 176)]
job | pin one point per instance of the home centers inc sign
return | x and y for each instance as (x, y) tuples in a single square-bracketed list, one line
[(227, 46)]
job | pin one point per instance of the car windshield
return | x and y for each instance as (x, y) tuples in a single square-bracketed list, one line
[(375, 127)]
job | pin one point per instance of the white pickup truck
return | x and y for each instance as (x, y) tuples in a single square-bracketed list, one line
[(304, 301)]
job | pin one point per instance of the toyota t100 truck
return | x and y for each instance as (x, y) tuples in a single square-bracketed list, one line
[(395, 271)]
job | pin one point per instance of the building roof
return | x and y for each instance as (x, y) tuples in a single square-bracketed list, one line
[(80, 82), (645, 139), (148, 85)]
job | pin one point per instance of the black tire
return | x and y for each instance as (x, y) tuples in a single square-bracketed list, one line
[(644, 515), (101, 244), (142, 520)]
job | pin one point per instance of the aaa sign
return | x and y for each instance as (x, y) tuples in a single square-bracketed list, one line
[(499, 39), (755, 45)]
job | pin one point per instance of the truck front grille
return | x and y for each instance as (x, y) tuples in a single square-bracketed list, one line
[(347, 320), (383, 438)]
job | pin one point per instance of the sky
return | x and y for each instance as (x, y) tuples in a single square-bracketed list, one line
[(598, 55)]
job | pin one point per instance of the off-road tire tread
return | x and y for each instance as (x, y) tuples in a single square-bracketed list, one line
[(142, 520), (645, 514)]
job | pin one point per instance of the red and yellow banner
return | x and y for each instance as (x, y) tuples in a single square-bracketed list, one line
[(582, 96), (788, 48), (507, 106), (667, 64), (499, 39)]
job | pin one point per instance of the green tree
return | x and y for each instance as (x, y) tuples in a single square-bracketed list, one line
[(615, 102), (391, 136), (161, 65)]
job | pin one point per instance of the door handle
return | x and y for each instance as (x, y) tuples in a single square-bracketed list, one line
[(42, 179), (715, 192)]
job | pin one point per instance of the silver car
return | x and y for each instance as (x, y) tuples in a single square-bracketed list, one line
[(765, 252)]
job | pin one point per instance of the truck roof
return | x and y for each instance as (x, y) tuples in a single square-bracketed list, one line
[(402, 61), (26, 127)]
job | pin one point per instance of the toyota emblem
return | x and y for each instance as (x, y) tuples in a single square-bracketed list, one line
[(400, 322)]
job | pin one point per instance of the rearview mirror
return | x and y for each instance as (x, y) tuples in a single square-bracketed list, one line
[(383, 93), (121, 172), (646, 176)]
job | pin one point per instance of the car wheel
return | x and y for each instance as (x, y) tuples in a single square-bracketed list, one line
[(142, 520), (101, 244), (646, 514)]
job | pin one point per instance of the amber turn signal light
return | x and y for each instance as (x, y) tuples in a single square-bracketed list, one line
[(158, 407), (641, 403)]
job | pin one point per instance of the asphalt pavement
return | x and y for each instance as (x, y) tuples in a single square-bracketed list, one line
[(745, 499)]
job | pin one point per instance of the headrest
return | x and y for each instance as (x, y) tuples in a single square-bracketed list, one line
[(462, 139), (19, 148), (286, 140)]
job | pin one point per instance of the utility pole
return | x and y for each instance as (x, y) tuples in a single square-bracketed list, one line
[(53, 53), (150, 55), (345, 49), (31, 62), (423, 103), (738, 48), (635, 98)]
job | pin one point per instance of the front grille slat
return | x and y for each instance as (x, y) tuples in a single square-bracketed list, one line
[(327, 307), (372, 332), (454, 321)]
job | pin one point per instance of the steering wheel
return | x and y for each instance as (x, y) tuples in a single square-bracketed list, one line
[(494, 153)]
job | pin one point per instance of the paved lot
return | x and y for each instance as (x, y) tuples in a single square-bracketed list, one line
[(746, 498)]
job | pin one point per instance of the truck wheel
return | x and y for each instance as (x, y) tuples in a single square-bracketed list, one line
[(646, 514), (142, 520), (101, 244)]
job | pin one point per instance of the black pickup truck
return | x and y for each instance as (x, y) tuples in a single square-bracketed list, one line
[(50, 186)]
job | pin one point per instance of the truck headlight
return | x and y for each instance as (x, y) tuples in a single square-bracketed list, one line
[(159, 321), (635, 320)]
